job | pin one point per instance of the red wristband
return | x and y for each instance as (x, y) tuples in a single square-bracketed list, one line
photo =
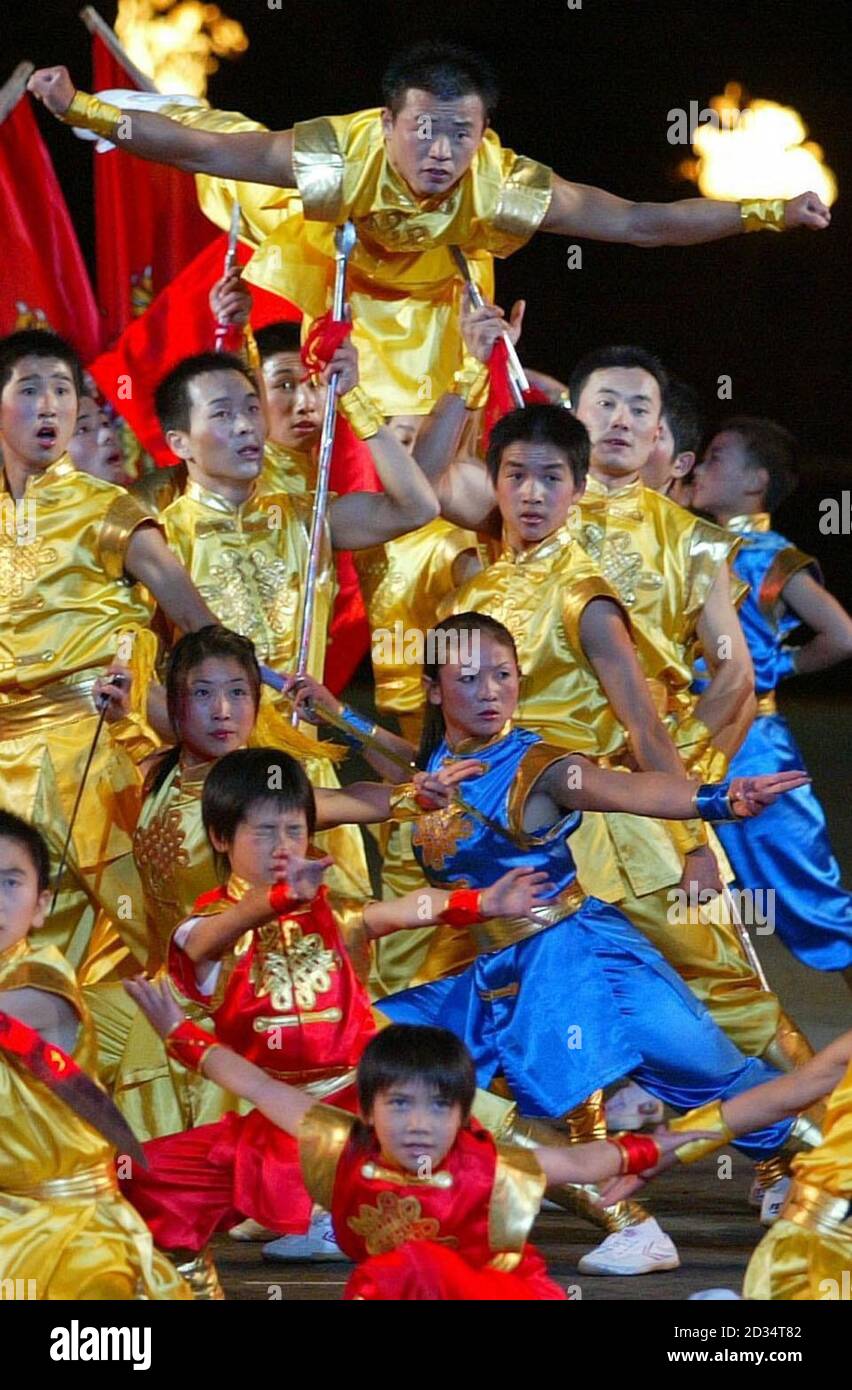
[(280, 898), (190, 1044), (464, 908), (638, 1152)]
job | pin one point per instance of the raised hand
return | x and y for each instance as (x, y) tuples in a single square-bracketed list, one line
[(157, 1003), (751, 795), (482, 327), (619, 1189), (53, 87), (434, 790), (808, 210), (303, 875), (516, 893), (114, 687), (230, 300), (344, 361), (307, 694)]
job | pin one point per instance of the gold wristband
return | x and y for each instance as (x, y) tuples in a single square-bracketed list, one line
[(705, 1117), (362, 413), (251, 351), (472, 382), (764, 215), (403, 803), (89, 113)]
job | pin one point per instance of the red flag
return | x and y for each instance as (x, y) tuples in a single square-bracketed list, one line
[(500, 399), (177, 324), (43, 277), (148, 222)]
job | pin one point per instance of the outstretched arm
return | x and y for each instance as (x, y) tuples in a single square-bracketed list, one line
[(282, 1104), (254, 157), (576, 209), (513, 895), (151, 561), (831, 624)]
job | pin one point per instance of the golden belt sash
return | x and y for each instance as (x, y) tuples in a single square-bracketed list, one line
[(766, 704), (816, 1210), (57, 702), (86, 1186), (499, 932)]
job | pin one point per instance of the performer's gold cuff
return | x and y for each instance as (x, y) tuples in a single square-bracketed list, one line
[(708, 1117), (362, 413), (472, 382), (251, 351), (764, 215), (403, 803), (90, 113)]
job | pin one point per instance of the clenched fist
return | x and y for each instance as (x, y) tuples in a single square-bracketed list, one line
[(54, 87), (808, 210)]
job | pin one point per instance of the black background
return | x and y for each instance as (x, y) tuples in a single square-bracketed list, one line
[(588, 91)]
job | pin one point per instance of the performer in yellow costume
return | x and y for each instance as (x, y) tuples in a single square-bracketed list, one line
[(422, 174), (70, 607), (806, 1255), (65, 1233), (248, 551)]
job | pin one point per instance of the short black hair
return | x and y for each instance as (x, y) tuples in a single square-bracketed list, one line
[(445, 70), (243, 778), (684, 416), (407, 1052), (541, 424), (38, 342), (768, 445), (622, 355), (195, 647), (283, 336), (12, 827), (171, 398)]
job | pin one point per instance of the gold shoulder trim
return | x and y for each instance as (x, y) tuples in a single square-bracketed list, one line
[(710, 547), (323, 1135), (533, 764), (519, 1185), (318, 167), (576, 599), (524, 199), (47, 970), (786, 563), (122, 518), (348, 913)]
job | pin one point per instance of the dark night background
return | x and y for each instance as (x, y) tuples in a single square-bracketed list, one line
[(588, 91)]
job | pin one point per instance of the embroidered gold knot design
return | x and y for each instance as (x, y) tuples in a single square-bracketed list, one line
[(620, 565), (159, 852), (297, 976), (252, 593), (20, 565), (393, 1221), (439, 834)]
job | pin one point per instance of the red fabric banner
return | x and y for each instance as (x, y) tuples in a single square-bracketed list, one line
[(43, 277), (148, 222)]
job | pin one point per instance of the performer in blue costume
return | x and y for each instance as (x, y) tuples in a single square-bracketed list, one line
[(747, 471), (572, 996)]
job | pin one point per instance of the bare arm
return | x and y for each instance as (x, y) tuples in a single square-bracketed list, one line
[(211, 936), (787, 1095), (254, 157), (609, 648), (361, 519), (513, 895), (576, 784), (51, 1016), (727, 706), (831, 624), (150, 561), (577, 209)]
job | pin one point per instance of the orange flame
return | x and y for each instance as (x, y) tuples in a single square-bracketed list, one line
[(758, 150), (178, 44)]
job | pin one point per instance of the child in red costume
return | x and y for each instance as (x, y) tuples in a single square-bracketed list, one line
[(422, 1198), (280, 968)]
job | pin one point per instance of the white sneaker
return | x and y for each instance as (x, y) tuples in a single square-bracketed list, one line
[(642, 1249), (725, 1295), (317, 1243), (633, 1108), (774, 1198), (250, 1230)]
